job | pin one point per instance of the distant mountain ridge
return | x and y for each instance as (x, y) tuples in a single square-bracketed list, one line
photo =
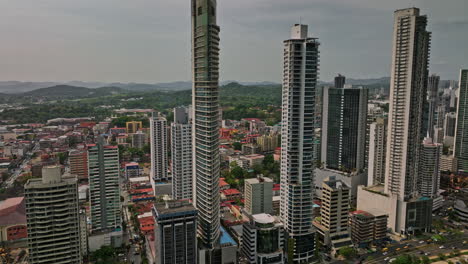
[(67, 91)]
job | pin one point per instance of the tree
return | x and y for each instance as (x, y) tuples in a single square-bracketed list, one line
[(237, 145), (347, 252), (237, 172), (425, 260), (441, 256)]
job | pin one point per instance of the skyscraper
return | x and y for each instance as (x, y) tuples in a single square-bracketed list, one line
[(408, 211), (344, 118), (205, 103), (175, 232), (377, 151), (433, 101), (340, 81), (407, 96), (104, 188), (301, 60), (159, 148), (461, 133), (181, 154), (52, 215), (429, 168)]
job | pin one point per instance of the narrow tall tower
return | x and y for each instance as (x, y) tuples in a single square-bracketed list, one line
[(205, 103), (301, 60), (407, 97), (461, 131), (158, 146), (181, 154), (433, 101), (104, 191)]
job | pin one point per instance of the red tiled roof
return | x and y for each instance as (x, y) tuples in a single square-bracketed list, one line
[(231, 192), (13, 211), (276, 187)]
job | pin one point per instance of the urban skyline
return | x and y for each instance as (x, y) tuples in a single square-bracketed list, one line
[(244, 174)]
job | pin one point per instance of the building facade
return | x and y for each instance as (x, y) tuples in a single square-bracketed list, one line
[(53, 220), (461, 136), (300, 76), (133, 126), (258, 194), (367, 227), (263, 240), (175, 232), (78, 160), (333, 226), (407, 96), (377, 151), (159, 148), (429, 169), (181, 154), (206, 119), (344, 118), (433, 101), (104, 188)]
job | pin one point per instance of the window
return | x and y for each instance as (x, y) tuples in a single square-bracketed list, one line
[(200, 11), (213, 11)]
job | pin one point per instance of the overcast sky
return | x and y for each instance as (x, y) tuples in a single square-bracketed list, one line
[(149, 40)]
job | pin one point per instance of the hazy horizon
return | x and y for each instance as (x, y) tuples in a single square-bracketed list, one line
[(149, 41)]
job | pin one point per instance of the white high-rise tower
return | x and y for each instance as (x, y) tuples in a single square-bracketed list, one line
[(158, 146), (407, 96), (301, 61), (181, 154)]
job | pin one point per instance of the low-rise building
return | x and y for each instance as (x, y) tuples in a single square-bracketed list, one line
[(367, 227), (263, 239), (13, 219)]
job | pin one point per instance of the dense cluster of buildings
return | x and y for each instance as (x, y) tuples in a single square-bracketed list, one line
[(335, 149)]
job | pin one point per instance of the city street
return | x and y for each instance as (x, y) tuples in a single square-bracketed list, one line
[(17, 172)]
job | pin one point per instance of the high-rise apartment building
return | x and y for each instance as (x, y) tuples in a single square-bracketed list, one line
[(377, 151), (206, 120), (175, 232), (407, 96), (133, 126), (344, 118), (408, 211), (433, 101), (301, 60), (429, 168), (78, 160), (159, 148), (340, 81), (333, 226), (258, 195), (181, 154), (53, 219), (461, 133), (104, 187)]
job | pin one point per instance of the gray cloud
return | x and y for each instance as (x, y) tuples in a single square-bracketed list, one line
[(149, 41)]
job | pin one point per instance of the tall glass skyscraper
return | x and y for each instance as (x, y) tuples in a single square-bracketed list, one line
[(301, 60), (461, 132), (205, 103)]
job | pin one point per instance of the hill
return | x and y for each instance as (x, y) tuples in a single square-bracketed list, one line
[(67, 91)]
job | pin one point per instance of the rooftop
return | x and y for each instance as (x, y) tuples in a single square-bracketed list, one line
[(225, 239), (263, 218), (173, 207), (13, 211)]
